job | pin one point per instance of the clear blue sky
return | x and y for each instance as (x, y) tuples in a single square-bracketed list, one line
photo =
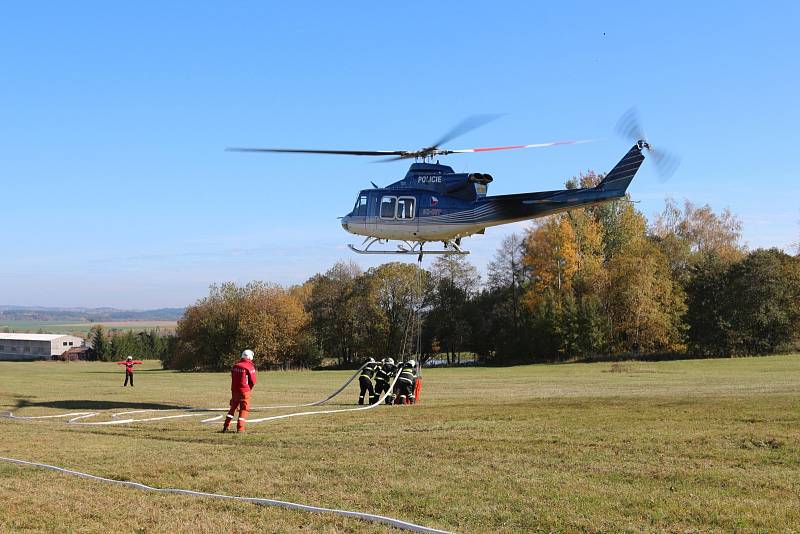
[(114, 116)]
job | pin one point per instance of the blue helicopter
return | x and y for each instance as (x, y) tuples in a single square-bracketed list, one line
[(433, 203)]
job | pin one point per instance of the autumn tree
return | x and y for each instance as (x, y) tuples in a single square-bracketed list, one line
[(389, 301), (566, 259), (645, 307), (455, 283), (260, 316), (272, 321), (207, 332), (551, 257), (599, 282), (331, 300), (689, 234)]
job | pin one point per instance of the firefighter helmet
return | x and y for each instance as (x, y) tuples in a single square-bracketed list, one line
[(412, 363), (390, 361)]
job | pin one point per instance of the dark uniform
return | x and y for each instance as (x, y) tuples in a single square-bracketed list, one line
[(405, 384), (365, 381), (383, 377)]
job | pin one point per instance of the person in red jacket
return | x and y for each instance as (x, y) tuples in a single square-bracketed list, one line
[(243, 380), (129, 363)]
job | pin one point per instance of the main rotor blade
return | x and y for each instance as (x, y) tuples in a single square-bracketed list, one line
[(311, 151), (397, 158), (446, 151), (470, 123), (493, 148)]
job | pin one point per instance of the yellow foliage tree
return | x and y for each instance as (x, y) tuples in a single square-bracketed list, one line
[(551, 258), (271, 323), (644, 304), (263, 317)]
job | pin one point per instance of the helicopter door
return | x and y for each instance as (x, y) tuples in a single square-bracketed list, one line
[(373, 211)]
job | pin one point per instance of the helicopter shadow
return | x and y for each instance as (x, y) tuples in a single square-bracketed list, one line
[(122, 371), (96, 405)]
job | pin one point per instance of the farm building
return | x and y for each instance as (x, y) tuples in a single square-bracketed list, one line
[(74, 354), (35, 346)]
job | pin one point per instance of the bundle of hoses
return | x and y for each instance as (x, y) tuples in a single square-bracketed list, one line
[(77, 418)]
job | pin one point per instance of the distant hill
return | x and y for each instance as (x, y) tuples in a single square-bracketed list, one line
[(91, 315)]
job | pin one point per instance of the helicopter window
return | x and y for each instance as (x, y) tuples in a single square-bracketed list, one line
[(387, 207), (405, 208), (360, 208)]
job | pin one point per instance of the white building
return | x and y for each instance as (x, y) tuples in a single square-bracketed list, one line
[(35, 346)]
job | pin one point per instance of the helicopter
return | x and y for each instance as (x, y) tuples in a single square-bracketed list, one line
[(433, 203)]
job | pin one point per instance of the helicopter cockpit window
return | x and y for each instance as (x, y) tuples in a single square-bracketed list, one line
[(360, 209), (387, 207), (405, 208)]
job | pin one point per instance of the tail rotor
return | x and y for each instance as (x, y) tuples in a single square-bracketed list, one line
[(630, 127)]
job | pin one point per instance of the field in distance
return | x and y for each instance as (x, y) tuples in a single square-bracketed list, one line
[(704, 445), (59, 327)]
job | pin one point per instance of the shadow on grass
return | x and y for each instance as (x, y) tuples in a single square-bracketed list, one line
[(96, 405), (122, 371)]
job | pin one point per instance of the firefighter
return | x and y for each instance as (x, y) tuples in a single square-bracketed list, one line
[(129, 363), (383, 377), (406, 383), (365, 381), (243, 380)]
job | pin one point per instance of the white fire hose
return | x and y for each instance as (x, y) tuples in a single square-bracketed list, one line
[(77, 418), (255, 500)]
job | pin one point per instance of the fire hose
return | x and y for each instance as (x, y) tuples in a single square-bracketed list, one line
[(255, 500), (78, 418)]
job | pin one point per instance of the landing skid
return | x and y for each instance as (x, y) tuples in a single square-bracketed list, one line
[(409, 247)]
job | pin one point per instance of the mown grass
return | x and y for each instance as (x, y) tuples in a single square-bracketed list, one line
[(709, 445)]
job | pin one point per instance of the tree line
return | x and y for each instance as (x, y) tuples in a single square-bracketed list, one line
[(115, 345), (595, 282)]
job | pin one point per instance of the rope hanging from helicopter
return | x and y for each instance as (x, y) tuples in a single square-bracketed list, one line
[(420, 301), (413, 329)]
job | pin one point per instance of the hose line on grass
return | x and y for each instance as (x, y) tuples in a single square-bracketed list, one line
[(397, 523), (77, 418), (318, 412)]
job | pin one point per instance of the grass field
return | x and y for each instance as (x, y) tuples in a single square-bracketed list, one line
[(56, 327), (687, 446)]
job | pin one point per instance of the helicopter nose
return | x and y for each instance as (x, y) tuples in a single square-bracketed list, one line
[(344, 224)]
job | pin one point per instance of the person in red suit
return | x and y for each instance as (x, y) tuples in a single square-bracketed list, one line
[(129, 363), (243, 380)]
